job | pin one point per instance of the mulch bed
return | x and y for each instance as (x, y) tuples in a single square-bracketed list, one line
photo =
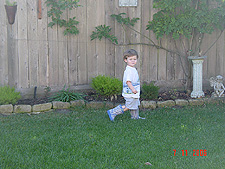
[(92, 96)]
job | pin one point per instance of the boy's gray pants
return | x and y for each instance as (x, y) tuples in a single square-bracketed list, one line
[(134, 114)]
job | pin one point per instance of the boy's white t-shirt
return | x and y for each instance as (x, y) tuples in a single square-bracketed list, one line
[(131, 74)]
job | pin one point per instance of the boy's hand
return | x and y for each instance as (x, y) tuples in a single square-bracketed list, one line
[(131, 87), (134, 91)]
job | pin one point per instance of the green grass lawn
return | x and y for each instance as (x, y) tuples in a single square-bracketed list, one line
[(85, 138)]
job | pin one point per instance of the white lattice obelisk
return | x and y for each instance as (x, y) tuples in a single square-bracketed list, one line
[(197, 76)]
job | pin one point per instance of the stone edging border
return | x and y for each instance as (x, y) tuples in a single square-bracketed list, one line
[(36, 109)]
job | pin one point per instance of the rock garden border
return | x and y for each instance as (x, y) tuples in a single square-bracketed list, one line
[(38, 108)]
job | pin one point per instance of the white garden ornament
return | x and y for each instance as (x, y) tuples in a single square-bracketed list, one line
[(197, 76), (217, 84)]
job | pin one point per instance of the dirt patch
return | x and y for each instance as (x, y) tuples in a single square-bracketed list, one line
[(33, 101), (93, 96), (173, 95)]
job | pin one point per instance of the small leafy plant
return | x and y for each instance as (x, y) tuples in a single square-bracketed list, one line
[(107, 86), (8, 95), (56, 11), (173, 93), (65, 95), (150, 91), (125, 20), (103, 31), (8, 3)]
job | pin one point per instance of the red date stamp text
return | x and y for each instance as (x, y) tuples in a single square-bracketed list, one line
[(196, 152)]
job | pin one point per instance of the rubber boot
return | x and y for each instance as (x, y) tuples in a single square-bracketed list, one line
[(114, 112)]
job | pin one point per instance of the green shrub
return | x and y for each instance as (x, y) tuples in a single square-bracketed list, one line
[(150, 91), (107, 86), (65, 95), (8, 95)]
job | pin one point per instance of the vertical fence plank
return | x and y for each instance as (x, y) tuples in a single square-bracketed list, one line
[(162, 61), (23, 45), (180, 62), (135, 37), (72, 52), (43, 57), (211, 55), (145, 17), (100, 45), (32, 43), (153, 62), (62, 53), (171, 60), (53, 54), (3, 45), (91, 45), (109, 47), (119, 50), (83, 38), (205, 45), (12, 52), (220, 55)]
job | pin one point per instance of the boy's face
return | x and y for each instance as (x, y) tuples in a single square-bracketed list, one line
[(131, 61)]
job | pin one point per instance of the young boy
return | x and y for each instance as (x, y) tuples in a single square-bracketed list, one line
[(131, 88)]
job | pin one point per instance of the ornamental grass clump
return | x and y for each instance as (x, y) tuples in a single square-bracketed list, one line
[(8, 95), (65, 95), (107, 86)]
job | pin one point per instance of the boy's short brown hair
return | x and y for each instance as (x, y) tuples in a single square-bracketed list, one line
[(130, 52)]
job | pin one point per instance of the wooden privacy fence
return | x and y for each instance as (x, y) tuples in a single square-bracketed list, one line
[(32, 54)]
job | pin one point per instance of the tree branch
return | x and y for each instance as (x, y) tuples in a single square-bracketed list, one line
[(214, 42), (179, 54), (142, 35), (148, 44)]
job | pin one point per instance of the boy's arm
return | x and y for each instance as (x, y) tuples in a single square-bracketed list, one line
[(129, 84)]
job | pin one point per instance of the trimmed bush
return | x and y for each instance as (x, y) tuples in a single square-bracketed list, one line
[(8, 95), (107, 86), (149, 91)]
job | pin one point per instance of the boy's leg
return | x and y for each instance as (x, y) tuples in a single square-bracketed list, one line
[(124, 108), (132, 113), (137, 114), (115, 111)]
